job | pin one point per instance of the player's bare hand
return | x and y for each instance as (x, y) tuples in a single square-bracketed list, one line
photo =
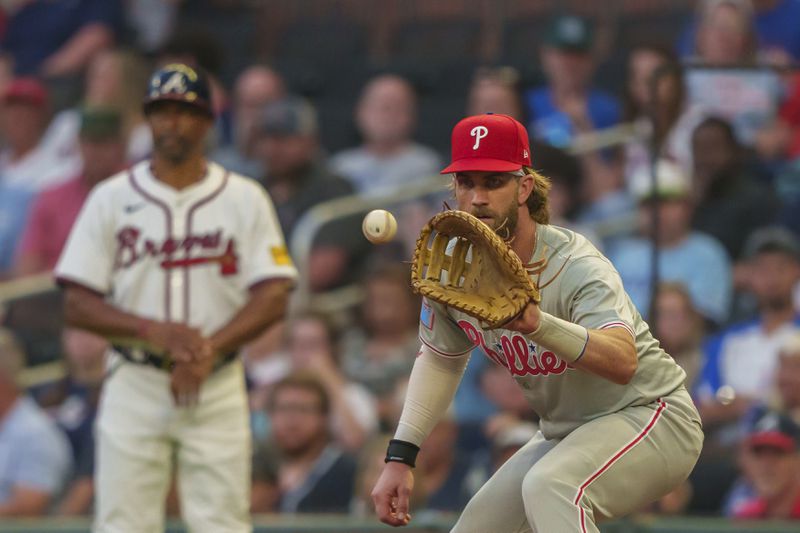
[(186, 380), (527, 321), (392, 492), (181, 342)]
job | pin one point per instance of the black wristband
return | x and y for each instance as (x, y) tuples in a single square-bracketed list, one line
[(401, 451)]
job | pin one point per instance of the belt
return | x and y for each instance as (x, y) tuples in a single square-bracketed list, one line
[(140, 356)]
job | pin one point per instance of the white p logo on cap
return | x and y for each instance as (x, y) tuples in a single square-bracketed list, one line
[(479, 132)]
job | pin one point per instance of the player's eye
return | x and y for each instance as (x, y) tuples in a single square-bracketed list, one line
[(465, 183)]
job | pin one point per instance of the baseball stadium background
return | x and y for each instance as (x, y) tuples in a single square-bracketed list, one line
[(368, 91)]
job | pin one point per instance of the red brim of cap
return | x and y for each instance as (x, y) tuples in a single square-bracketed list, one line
[(479, 164), (773, 440)]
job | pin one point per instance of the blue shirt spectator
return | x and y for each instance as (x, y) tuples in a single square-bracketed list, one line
[(568, 104), (700, 262), (553, 126), (41, 27), (14, 202), (744, 356), (34, 454), (697, 260)]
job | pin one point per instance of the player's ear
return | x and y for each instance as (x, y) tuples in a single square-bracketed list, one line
[(526, 184)]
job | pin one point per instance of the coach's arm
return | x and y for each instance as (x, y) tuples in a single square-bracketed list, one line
[(267, 304), (87, 309)]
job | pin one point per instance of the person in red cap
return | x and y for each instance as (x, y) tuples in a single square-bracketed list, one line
[(618, 429), (771, 462)]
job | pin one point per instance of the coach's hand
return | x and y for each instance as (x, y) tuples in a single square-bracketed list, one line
[(186, 380), (391, 494), (182, 343)]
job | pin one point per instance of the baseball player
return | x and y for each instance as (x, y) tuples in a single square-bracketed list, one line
[(178, 262), (618, 429)]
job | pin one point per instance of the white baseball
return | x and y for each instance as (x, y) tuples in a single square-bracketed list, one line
[(379, 226)]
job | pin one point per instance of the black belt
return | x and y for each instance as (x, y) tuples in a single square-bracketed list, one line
[(140, 356)]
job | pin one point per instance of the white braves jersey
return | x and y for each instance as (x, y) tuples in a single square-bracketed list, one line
[(581, 286), (185, 255)]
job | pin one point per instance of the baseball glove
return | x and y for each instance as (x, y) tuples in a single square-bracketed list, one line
[(481, 275)]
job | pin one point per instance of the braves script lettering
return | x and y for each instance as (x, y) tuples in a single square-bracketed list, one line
[(518, 355), (132, 248)]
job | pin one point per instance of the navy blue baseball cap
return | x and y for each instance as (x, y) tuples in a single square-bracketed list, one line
[(771, 429), (179, 83)]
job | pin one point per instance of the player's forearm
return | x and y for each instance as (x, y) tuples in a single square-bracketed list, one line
[(267, 305), (86, 310), (611, 354), (431, 387)]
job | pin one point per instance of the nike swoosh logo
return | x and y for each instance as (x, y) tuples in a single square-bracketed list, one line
[(133, 208)]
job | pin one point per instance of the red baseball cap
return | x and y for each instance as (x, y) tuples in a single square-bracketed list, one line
[(489, 143), (28, 90), (772, 429)]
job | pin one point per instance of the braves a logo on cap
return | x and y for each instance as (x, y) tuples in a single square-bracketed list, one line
[(177, 82), (174, 84), (479, 132)]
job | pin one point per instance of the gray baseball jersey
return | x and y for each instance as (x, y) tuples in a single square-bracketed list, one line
[(580, 285)]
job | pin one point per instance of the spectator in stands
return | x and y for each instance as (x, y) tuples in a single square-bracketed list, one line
[(729, 202), (314, 476), (298, 178), (444, 468), (254, 89), (30, 160), (34, 454), (312, 345), (771, 462), (509, 440), (27, 162), (381, 352), (695, 259), (496, 90), (72, 402), (115, 80), (54, 210), (775, 27), (55, 39), (787, 378), (680, 329), (726, 38), (568, 104), (386, 116), (667, 122), (498, 386), (741, 361)]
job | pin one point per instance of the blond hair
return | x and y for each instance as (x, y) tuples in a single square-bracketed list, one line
[(538, 202)]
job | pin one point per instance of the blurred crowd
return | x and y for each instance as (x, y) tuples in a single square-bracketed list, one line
[(692, 172)]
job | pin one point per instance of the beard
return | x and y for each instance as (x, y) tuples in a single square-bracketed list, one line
[(174, 148), (504, 223)]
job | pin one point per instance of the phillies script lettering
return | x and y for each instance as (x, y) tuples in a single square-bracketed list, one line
[(132, 248), (518, 354)]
